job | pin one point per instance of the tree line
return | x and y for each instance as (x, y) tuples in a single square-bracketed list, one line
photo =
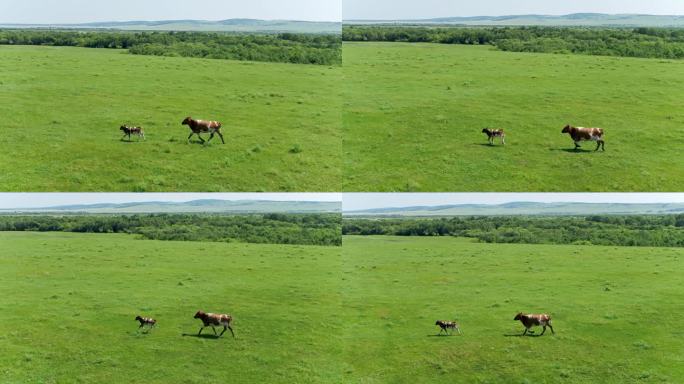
[(633, 230), (665, 43), (322, 49), (275, 228)]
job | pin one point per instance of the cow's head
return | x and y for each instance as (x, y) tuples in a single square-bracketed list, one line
[(566, 129), (485, 130), (438, 322), (123, 128), (187, 121), (519, 316), (138, 318), (199, 315)]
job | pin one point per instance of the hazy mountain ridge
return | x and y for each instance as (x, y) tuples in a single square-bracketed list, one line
[(228, 25), (575, 19), (195, 206), (524, 208)]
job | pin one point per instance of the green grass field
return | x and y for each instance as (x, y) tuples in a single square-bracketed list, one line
[(616, 312), (61, 109), (69, 301), (363, 313), (413, 116)]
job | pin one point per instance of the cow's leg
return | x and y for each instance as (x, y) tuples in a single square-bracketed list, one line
[(191, 133), (214, 328), (200, 331), (598, 145), (525, 333), (141, 325), (210, 137), (543, 330), (221, 136), (200, 137), (577, 146), (459, 331), (503, 140), (552, 331), (603, 145), (231, 330)]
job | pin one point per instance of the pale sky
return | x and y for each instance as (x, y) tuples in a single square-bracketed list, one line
[(81, 11), (40, 200), (427, 9), (361, 201)]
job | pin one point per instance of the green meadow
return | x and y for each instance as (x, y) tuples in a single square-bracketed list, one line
[(363, 313), (62, 107), (413, 116), (69, 301), (616, 312)]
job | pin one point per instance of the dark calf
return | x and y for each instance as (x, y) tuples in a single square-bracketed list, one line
[(146, 321), (128, 131), (492, 133), (446, 325)]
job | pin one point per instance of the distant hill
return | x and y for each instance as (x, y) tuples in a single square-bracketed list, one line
[(523, 208), (196, 206), (575, 19), (229, 25)]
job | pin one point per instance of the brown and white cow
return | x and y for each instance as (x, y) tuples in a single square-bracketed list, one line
[(579, 134), (446, 325), (492, 133), (203, 126), (146, 321), (213, 320), (529, 321), (128, 131)]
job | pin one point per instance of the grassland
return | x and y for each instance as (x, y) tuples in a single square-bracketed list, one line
[(61, 109), (616, 312), (363, 313), (69, 302), (413, 115)]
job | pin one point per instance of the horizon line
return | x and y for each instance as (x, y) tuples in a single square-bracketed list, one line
[(506, 203), (521, 14), (167, 20)]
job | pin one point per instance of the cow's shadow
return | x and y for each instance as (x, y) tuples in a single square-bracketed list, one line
[(521, 335), (573, 150), (205, 336), (490, 145), (204, 143), (442, 335)]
